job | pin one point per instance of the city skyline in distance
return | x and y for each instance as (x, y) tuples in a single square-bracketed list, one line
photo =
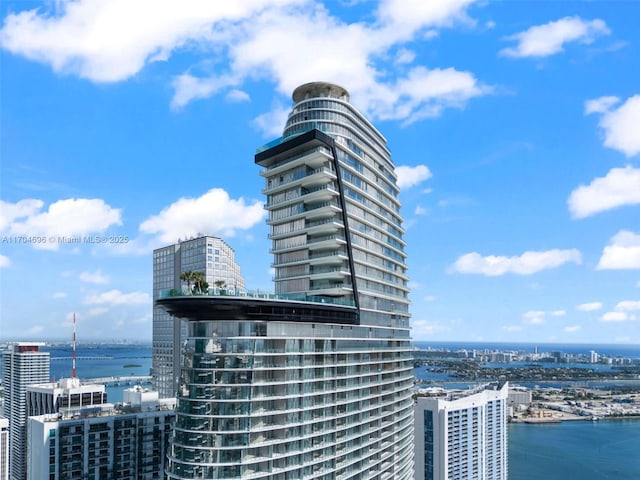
[(519, 167)]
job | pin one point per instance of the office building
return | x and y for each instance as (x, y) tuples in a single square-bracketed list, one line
[(4, 449), (462, 434), (315, 380), (126, 441), (23, 364), (209, 255)]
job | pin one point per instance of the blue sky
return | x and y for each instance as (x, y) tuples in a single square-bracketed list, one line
[(514, 127)]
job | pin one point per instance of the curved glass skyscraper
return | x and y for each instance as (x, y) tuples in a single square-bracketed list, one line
[(314, 381)]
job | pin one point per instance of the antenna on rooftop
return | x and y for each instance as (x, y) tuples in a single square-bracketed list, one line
[(73, 354)]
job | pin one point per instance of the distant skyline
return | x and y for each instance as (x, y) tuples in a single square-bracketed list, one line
[(514, 127)]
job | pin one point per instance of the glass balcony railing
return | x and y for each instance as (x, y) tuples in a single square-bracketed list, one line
[(257, 294)]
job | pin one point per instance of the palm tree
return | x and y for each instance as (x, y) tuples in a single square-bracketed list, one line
[(188, 276), (200, 284)]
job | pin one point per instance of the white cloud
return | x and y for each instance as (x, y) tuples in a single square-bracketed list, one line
[(525, 264), (213, 213), (600, 105), (35, 329), (623, 312), (558, 313), (550, 38), (411, 176), (236, 95), (589, 307), (116, 297), (430, 298), (188, 88), (272, 122), (620, 125), (622, 253), (4, 261), (112, 40), (616, 317), (97, 311), (96, 277), (423, 93), (12, 211), (512, 328), (420, 210), (620, 187), (628, 305), (421, 329), (411, 15), (405, 56), (572, 328), (534, 317), (64, 218), (58, 295)]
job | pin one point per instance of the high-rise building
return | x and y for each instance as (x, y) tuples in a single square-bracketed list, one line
[(315, 380), (209, 255), (23, 364), (127, 441), (4, 449), (462, 434)]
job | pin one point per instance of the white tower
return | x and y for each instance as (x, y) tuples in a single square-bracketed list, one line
[(316, 381), (23, 364)]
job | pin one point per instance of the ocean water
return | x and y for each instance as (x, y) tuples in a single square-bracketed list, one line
[(581, 450), (99, 361)]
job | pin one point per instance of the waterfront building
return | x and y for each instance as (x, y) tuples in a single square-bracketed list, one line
[(315, 380), (519, 399), (4, 448), (209, 255), (23, 364), (127, 441), (462, 434)]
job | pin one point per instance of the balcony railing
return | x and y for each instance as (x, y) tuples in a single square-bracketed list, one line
[(257, 294)]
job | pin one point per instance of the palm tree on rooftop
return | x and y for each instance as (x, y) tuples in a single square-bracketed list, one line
[(200, 284), (188, 276)]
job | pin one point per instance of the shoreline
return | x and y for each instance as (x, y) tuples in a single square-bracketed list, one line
[(567, 417)]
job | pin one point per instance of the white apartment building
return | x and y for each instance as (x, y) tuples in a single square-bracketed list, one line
[(313, 382), (126, 441), (462, 434), (65, 393), (209, 255), (23, 364), (4, 448)]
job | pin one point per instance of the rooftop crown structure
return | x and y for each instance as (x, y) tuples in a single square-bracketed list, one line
[(313, 381)]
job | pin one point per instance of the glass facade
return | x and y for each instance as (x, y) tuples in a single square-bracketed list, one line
[(324, 395)]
